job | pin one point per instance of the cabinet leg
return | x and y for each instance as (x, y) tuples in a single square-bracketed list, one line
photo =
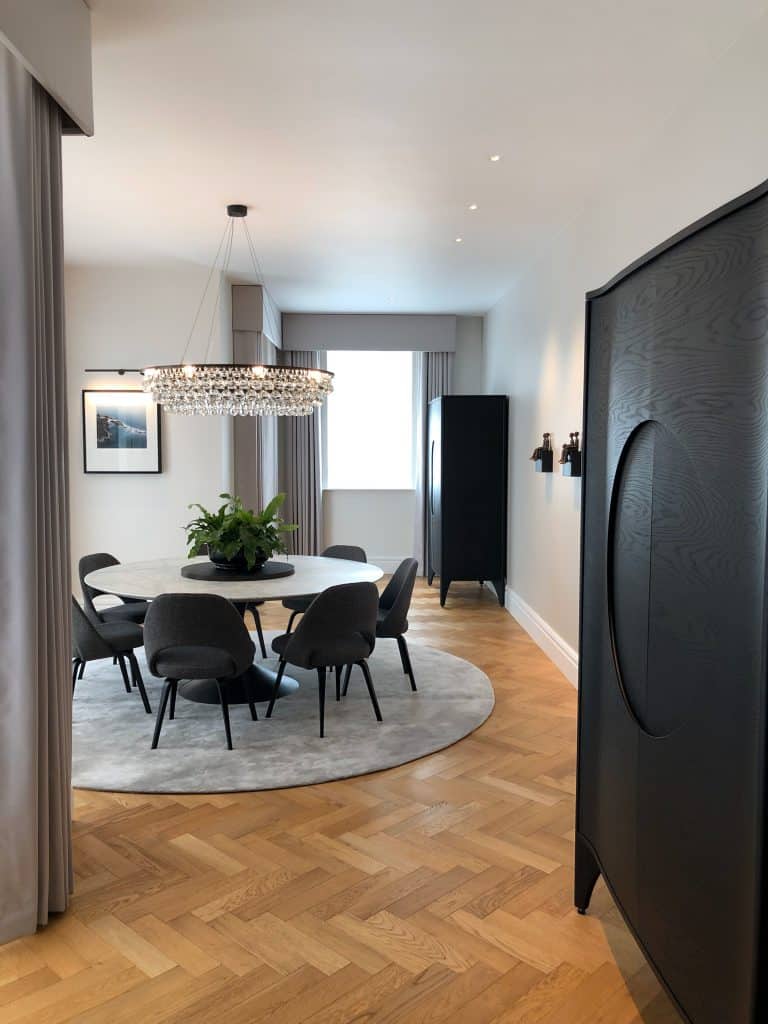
[(444, 584), (586, 875), (498, 586)]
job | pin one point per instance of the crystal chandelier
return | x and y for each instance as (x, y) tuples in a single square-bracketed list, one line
[(235, 389)]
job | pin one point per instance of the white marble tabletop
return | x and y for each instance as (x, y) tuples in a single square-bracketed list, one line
[(146, 580)]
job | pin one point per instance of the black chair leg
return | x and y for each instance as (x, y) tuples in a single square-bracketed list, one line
[(172, 708), (371, 692), (405, 658), (278, 680), (82, 670), (257, 620), (321, 698), (225, 711), (139, 682), (123, 670), (75, 670), (338, 682), (290, 621), (251, 704), (347, 674), (161, 712)]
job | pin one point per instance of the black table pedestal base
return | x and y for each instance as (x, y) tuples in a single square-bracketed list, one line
[(260, 678)]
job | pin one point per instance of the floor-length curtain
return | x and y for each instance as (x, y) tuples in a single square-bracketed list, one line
[(35, 689), (268, 450), (433, 377), (301, 467), (255, 437)]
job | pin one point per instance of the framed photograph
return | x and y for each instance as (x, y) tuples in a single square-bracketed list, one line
[(121, 432)]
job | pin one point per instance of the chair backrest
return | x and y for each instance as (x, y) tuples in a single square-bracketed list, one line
[(87, 643), (90, 563), (349, 551), (196, 620), (336, 615), (396, 598)]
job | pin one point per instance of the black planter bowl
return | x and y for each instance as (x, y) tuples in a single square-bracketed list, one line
[(236, 564)]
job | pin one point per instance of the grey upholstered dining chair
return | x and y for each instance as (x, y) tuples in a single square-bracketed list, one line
[(97, 641), (129, 609), (392, 615), (338, 628), (298, 605), (196, 636)]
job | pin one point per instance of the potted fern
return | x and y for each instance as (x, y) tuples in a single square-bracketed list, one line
[(235, 538)]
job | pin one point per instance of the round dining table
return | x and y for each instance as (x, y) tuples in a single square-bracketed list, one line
[(312, 574)]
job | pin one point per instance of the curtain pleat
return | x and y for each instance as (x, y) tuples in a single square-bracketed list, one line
[(300, 466), (267, 440), (255, 437), (433, 377), (35, 690)]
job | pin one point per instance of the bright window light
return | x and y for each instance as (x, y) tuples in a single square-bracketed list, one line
[(370, 421)]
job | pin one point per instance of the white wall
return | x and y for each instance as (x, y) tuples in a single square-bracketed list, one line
[(712, 149), (381, 522), (132, 318)]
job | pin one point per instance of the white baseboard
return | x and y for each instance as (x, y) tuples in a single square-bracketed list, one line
[(387, 562), (553, 645)]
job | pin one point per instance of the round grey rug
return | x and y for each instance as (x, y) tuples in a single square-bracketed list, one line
[(112, 732)]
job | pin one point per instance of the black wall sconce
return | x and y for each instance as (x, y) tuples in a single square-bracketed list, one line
[(543, 456), (570, 459)]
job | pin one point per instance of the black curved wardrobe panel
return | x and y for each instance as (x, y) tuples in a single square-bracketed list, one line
[(671, 798)]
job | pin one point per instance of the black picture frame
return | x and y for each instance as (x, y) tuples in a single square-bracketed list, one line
[(118, 459)]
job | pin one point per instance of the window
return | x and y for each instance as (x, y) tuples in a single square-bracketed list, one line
[(370, 421)]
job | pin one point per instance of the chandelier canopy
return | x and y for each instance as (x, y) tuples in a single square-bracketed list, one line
[(235, 389)]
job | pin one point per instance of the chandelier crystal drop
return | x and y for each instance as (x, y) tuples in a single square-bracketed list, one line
[(216, 389), (235, 389)]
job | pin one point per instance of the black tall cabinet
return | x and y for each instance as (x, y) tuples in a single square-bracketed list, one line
[(671, 794), (467, 490)]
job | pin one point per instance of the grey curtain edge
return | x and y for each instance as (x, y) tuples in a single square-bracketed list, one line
[(433, 377), (36, 873), (300, 466)]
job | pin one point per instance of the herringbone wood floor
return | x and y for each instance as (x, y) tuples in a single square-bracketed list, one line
[(435, 892)]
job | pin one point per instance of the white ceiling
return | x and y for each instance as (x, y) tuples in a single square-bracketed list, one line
[(358, 132)]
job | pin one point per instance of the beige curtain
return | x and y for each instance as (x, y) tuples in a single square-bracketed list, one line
[(301, 468), (255, 437), (432, 377), (35, 689)]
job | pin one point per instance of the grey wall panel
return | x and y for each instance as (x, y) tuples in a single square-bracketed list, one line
[(383, 332)]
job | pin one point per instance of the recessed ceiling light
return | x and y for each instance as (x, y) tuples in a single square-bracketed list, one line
[(472, 206), (495, 158), (459, 239)]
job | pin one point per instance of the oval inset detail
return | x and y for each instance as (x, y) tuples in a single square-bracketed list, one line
[(659, 637)]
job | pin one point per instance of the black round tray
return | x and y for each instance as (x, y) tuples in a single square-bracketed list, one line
[(211, 573)]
